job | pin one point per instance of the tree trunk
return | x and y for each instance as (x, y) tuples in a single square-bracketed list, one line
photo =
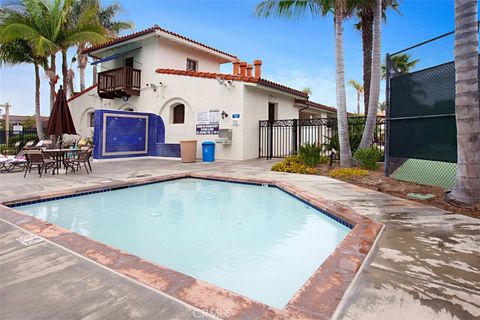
[(82, 61), (38, 117), (371, 121), (342, 120), (467, 110), (358, 103), (52, 77), (367, 44), (65, 71), (94, 72)]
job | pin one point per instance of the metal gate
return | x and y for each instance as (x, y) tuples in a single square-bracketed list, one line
[(281, 138)]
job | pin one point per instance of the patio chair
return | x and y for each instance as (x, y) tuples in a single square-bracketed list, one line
[(36, 158), (87, 148), (82, 158)]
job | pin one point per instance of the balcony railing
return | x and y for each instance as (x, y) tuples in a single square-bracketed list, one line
[(120, 82)]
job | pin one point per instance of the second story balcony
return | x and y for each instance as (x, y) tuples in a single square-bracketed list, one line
[(119, 82)]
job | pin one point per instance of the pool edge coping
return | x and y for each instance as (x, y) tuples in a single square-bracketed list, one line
[(328, 283)]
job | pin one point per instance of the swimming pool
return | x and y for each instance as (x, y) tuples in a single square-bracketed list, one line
[(254, 240)]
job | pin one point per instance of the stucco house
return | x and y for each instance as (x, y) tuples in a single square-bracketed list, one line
[(177, 79)]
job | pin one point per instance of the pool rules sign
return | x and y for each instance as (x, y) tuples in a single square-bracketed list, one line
[(207, 122)]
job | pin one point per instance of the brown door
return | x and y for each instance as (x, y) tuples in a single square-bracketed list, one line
[(129, 62), (271, 111)]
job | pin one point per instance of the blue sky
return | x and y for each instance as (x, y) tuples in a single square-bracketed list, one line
[(295, 53)]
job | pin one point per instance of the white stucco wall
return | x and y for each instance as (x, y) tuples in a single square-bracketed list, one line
[(256, 109)]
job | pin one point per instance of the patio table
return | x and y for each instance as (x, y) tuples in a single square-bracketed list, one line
[(59, 155)]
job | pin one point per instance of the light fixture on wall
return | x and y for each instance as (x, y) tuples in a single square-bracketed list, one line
[(224, 114), (125, 98)]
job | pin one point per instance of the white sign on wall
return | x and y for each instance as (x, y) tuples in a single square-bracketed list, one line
[(208, 116), (236, 119)]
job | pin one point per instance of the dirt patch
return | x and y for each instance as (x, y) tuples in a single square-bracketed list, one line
[(377, 181)]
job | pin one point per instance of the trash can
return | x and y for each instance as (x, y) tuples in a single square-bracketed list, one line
[(208, 151), (188, 150)]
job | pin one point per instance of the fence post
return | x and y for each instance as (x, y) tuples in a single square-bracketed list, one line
[(295, 135), (270, 139), (387, 116)]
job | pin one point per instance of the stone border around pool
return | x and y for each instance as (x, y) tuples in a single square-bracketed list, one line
[(316, 299)]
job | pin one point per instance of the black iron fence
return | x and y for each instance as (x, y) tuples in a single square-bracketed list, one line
[(281, 138), (16, 140)]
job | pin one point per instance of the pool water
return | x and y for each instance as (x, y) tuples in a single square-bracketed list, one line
[(257, 241)]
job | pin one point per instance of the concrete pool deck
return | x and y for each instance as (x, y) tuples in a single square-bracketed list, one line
[(426, 263)]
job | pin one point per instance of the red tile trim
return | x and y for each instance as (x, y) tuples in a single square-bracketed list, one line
[(213, 75), (78, 94), (317, 299), (147, 31)]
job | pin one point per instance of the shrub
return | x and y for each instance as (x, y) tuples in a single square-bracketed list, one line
[(354, 137), (293, 164), (368, 158), (309, 153), (348, 173)]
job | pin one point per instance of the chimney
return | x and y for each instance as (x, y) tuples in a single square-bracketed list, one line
[(249, 70), (258, 68), (243, 66), (236, 67)]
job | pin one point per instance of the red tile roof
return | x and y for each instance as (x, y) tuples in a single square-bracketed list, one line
[(78, 94), (309, 103), (151, 30), (224, 76)]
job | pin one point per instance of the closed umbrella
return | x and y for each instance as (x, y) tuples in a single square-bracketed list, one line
[(60, 121)]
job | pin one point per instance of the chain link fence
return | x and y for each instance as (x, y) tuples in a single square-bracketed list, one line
[(422, 143)]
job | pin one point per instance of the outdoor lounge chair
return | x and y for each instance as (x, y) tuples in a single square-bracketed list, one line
[(10, 163), (82, 158), (36, 158), (29, 144)]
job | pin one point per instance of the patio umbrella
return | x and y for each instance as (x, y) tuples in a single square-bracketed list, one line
[(60, 121)]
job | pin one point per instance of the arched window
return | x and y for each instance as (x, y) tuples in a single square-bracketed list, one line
[(91, 119), (179, 114)]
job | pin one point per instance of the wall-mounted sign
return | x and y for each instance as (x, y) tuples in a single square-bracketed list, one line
[(235, 119), (207, 128), (17, 128), (208, 116)]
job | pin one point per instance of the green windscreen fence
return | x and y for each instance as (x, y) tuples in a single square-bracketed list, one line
[(422, 128), (422, 115)]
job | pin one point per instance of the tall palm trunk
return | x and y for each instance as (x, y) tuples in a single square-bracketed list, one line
[(65, 71), (368, 132), (358, 102), (467, 110), (82, 61), (345, 151), (52, 77), (38, 117), (94, 73), (367, 19)]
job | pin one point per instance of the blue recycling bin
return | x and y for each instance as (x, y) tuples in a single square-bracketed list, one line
[(208, 151)]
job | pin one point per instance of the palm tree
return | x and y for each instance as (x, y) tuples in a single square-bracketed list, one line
[(370, 123), (359, 88), (112, 27), (307, 90), (297, 8), (40, 24), (364, 10), (467, 110), (401, 64), (17, 52), (82, 26)]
